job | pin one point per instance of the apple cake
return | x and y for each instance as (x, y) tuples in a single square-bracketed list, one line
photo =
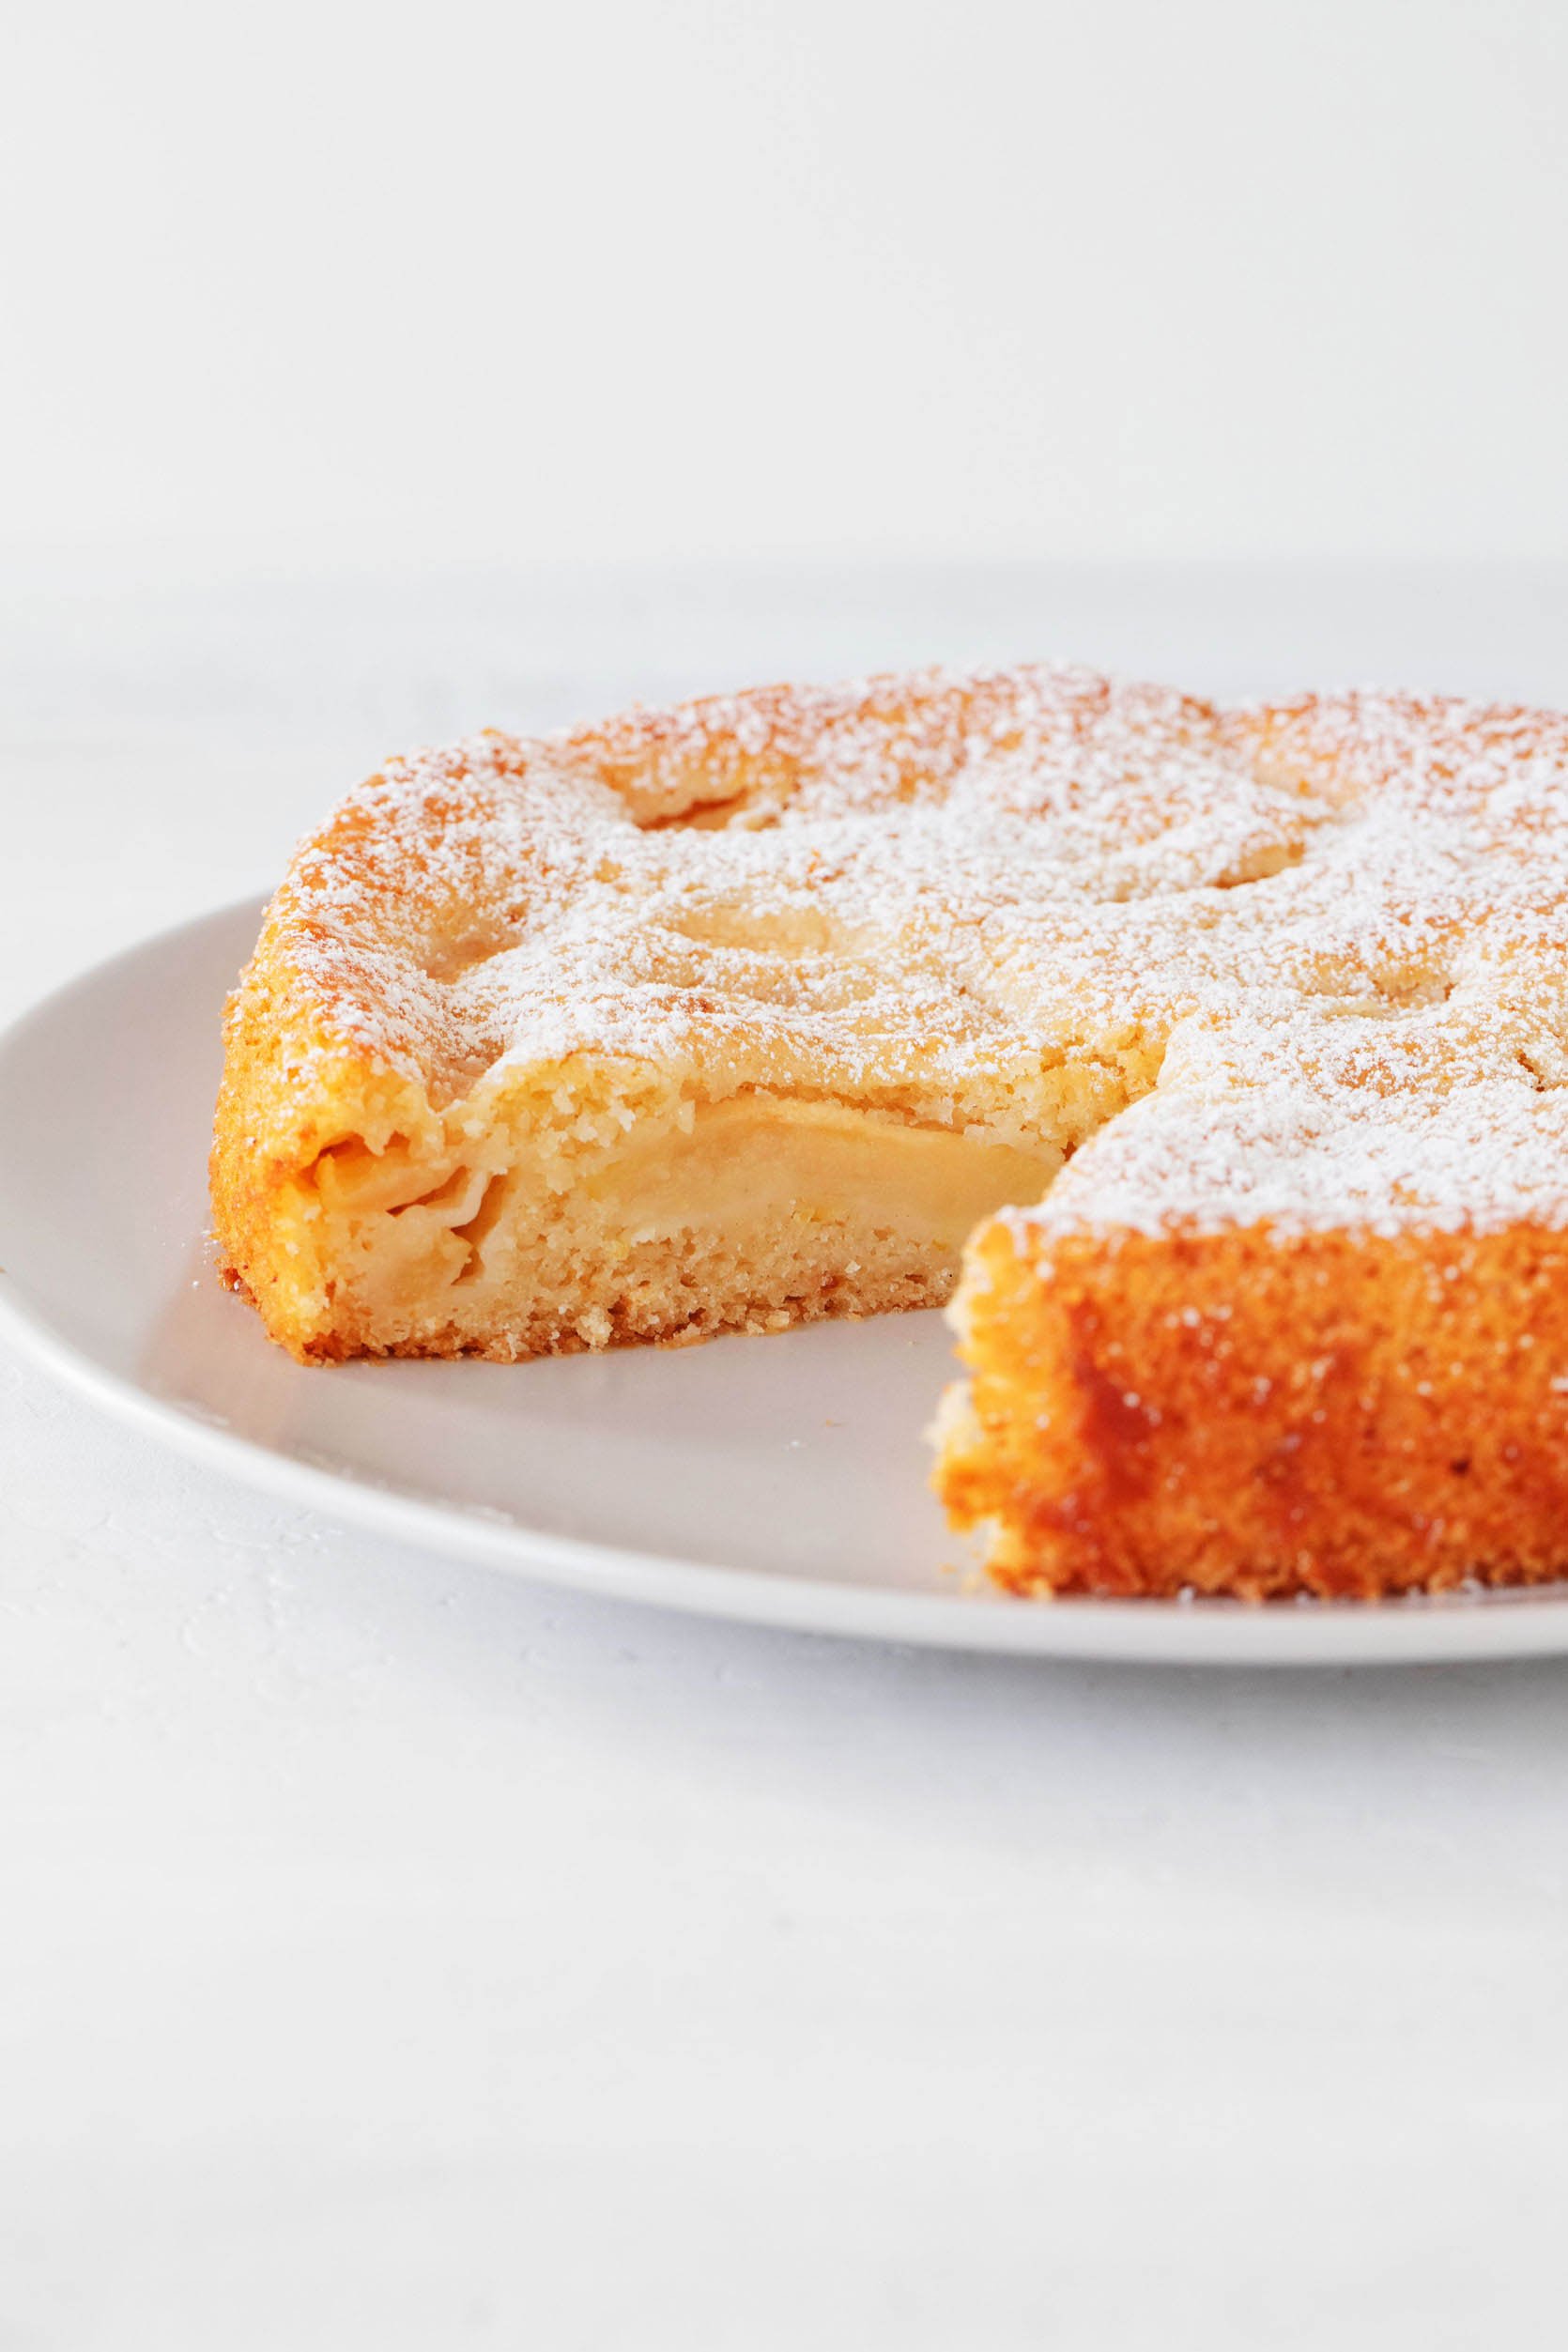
[(1225, 1048)]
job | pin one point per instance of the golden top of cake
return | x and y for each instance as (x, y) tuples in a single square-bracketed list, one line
[(1319, 947)]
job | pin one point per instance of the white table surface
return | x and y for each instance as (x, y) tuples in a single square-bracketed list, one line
[(393, 1955)]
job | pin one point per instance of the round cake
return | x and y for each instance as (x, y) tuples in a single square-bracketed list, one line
[(1224, 1049)]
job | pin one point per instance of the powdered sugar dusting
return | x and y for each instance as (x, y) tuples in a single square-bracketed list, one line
[(1333, 931)]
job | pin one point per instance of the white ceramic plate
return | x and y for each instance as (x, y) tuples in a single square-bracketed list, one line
[(781, 1480)]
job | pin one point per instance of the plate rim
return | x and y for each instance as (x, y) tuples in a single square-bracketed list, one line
[(1508, 1622)]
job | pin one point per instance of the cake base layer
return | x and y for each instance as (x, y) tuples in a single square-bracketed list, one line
[(1259, 1413)]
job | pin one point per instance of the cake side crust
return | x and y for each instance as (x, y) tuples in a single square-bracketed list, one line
[(1260, 1413)]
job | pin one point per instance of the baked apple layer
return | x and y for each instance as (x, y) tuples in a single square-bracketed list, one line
[(690, 1219)]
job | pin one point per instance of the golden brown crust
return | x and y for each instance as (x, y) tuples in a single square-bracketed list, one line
[(290, 1090), (1346, 1415)]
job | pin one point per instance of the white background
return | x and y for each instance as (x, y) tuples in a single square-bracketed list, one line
[(317, 281), (395, 1957)]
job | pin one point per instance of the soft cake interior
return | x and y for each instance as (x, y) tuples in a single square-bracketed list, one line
[(593, 1206)]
